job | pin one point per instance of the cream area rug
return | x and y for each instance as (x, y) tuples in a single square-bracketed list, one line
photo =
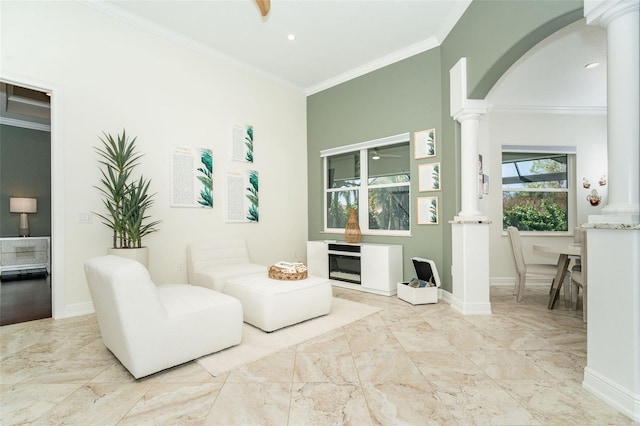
[(257, 344)]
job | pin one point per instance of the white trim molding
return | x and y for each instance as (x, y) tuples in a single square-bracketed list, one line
[(25, 124), (374, 143)]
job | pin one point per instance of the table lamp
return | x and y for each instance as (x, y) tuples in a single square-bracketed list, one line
[(23, 206)]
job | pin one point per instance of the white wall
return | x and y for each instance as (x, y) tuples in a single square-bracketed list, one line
[(586, 132), (107, 75)]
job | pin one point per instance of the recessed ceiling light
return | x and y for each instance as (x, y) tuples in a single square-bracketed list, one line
[(291, 37), (592, 65)]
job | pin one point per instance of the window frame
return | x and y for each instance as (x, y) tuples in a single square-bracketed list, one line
[(570, 152), (364, 187)]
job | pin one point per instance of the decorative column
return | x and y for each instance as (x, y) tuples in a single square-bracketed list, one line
[(620, 19), (470, 229), (469, 119), (613, 271)]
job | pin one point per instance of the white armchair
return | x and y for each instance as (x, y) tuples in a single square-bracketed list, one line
[(150, 328), (210, 263)]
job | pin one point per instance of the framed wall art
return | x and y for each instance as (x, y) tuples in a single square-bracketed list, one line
[(242, 196), (429, 177), (191, 177), (424, 144), (427, 210), (242, 143)]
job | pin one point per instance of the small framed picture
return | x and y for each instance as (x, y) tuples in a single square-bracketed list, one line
[(429, 177), (427, 209), (424, 144)]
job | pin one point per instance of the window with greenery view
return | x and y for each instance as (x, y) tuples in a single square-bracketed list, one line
[(373, 178), (535, 191)]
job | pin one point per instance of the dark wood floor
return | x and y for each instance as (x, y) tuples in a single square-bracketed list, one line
[(25, 300)]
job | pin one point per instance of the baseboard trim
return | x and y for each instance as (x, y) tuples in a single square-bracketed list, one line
[(511, 281), (471, 308), (502, 281), (611, 393), (445, 296), (77, 310)]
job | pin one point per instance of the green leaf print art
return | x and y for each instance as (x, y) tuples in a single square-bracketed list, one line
[(205, 177), (248, 143), (252, 196)]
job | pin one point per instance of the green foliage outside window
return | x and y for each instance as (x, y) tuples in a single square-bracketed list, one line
[(548, 216)]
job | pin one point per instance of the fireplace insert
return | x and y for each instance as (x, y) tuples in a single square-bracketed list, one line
[(344, 263)]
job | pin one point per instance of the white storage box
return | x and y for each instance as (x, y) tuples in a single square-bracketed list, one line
[(426, 271)]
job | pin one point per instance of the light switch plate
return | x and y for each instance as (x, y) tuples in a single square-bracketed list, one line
[(84, 217)]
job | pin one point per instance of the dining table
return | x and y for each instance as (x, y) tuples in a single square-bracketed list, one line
[(564, 252)]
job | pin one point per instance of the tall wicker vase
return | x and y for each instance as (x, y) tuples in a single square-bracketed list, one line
[(352, 232)]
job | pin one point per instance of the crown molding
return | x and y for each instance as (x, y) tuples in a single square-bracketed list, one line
[(392, 58), (545, 109)]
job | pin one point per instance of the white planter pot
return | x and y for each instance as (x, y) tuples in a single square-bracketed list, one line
[(138, 254)]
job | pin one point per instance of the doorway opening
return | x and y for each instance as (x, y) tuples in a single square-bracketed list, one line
[(25, 176)]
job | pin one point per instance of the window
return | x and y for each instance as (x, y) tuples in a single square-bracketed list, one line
[(373, 178), (536, 190)]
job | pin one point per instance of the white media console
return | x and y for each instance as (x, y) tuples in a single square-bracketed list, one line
[(375, 268)]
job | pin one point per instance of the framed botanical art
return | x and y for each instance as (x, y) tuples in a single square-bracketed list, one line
[(429, 177), (424, 144), (242, 143), (191, 180), (427, 210), (242, 196)]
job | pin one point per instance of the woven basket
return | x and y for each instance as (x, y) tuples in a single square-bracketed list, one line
[(278, 274)]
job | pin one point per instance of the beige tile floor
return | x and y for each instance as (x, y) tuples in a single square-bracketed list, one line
[(411, 365)]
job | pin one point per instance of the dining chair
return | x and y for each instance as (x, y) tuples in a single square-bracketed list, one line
[(578, 275), (526, 270)]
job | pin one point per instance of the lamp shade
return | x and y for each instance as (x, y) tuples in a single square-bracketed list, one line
[(23, 205)]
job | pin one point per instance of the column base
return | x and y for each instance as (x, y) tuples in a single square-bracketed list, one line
[(472, 218), (617, 213), (470, 269), (614, 219)]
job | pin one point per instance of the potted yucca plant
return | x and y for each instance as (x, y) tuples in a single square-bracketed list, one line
[(125, 199)]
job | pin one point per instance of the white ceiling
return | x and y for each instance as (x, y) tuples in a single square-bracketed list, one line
[(552, 74), (335, 40), (340, 40)]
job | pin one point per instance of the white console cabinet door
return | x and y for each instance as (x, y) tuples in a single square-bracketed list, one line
[(381, 267), (318, 259)]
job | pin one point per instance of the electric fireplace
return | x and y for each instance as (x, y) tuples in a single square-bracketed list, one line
[(344, 263)]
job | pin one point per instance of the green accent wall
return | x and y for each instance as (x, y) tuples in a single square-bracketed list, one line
[(413, 95), (25, 171), (402, 97)]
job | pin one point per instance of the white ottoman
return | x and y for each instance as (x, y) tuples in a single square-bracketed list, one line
[(272, 304)]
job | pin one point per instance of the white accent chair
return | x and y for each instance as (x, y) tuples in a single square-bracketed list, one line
[(210, 263), (150, 328), (526, 270)]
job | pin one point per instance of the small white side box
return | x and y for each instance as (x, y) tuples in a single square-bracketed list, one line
[(426, 271)]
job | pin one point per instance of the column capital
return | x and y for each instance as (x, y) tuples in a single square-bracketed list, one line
[(473, 109), (603, 12)]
